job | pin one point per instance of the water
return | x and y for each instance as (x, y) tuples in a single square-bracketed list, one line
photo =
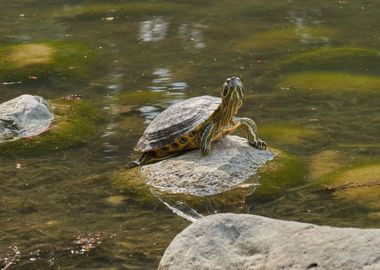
[(64, 209)]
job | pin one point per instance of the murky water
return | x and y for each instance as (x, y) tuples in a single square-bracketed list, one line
[(63, 210)]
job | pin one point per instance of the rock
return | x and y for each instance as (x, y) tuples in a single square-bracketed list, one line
[(231, 161), (231, 241), (24, 116), (75, 121), (188, 206)]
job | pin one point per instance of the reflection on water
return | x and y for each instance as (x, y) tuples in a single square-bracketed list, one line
[(163, 82), (192, 34), (302, 20), (153, 30), (149, 112)]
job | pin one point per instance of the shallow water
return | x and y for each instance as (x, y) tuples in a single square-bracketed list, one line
[(172, 50)]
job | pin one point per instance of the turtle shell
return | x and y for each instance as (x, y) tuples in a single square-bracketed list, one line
[(177, 120)]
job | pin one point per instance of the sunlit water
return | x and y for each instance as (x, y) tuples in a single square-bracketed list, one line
[(175, 51)]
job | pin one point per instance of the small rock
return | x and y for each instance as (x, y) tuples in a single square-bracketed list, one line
[(231, 161), (24, 116), (231, 241)]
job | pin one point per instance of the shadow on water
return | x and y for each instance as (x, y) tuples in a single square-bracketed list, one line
[(311, 82)]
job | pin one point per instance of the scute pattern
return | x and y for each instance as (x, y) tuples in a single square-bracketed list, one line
[(176, 121)]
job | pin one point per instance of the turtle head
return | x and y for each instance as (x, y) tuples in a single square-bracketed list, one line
[(232, 89), (232, 99)]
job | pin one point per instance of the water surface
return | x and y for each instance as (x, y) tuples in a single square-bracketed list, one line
[(63, 210)]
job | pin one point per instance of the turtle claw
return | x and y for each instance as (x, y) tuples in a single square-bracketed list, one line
[(259, 144)]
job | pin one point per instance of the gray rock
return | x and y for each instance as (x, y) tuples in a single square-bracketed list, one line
[(232, 241), (231, 161), (24, 116)]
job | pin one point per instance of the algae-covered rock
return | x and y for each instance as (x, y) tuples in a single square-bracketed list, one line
[(75, 121), (341, 59), (231, 161), (23, 117), (284, 37), (359, 184), (91, 10), (287, 134), (330, 82), (44, 61)]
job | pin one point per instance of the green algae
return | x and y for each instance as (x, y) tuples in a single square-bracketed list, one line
[(48, 60), (342, 59), (287, 134), (284, 37), (75, 122), (131, 182), (330, 82), (275, 178), (104, 9)]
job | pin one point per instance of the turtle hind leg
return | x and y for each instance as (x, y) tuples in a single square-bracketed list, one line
[(145, 158)]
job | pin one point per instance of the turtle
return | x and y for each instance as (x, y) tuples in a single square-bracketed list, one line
[(195, 123)]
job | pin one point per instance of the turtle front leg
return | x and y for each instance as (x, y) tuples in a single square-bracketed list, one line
[(250, 126), (206, 139)]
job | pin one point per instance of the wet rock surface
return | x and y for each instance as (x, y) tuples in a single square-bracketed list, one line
[(231, 161), (24, 116), (231, 241)]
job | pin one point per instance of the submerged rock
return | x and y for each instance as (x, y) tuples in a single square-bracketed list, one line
[(358, 184), (44, 61), (325, 163), (288, 134), (341, 59), (330, 82), (231, 241), (95, 10), (24, 116), (231, 161), (284, 37)]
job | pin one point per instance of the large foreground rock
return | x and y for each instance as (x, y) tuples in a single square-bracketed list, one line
[(24, 116), (231, 161), (231, 241)]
